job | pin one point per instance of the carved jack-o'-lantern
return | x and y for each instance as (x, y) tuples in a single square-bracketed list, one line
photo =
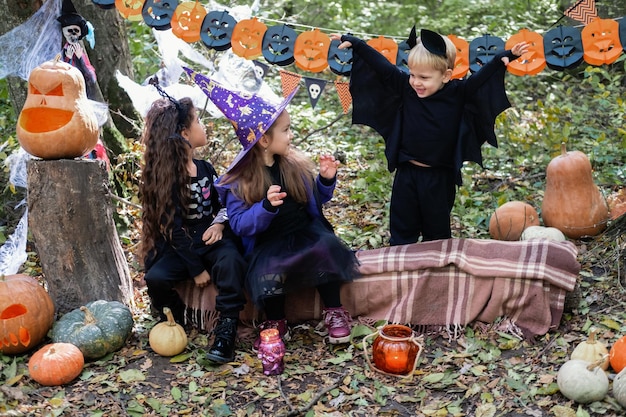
[(563, 47), (158, 13), (278, 43), (57, 121), (187, 21), (311, 50), (483, 49), (387, 47), (461, 63), (217, 29), (247, 39), (601, 42), (26, 313), (534, 60), (339, 60), (130, 9)]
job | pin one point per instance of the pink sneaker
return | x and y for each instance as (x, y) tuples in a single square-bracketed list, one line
[(281, 325), (338, 323)]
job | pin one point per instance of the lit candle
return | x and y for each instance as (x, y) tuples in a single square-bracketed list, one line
[(396, 359), (271, 352)]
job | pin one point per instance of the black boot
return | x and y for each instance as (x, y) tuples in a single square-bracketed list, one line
[(223, 349)]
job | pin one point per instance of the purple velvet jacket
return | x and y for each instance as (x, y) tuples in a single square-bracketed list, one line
[(248, 221)]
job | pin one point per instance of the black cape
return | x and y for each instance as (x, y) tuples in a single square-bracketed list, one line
[(373, 105)]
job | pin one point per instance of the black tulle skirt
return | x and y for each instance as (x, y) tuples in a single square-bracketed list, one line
[(311, 256)]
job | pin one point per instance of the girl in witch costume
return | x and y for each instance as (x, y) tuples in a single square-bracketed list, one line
[(185, 232), (430, 124), (274, 199)]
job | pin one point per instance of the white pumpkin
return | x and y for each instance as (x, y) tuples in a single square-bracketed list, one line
[(542, 232), (619, 388), (581, 381)]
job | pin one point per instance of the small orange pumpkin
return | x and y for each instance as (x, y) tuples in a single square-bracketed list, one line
[(57, 121), (617, 355), (26, 313), (510, 219), (56, 364)]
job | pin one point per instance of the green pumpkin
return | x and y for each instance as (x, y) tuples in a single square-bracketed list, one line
[(98, 328)]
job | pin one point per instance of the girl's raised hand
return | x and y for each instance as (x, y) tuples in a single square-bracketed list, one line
[(518, 50), (275, 196), (328, 166)]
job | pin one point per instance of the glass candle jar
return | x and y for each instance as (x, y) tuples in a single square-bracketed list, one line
[(395, 350), (271, 352)]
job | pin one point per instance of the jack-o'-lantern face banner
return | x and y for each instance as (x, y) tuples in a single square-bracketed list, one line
[(600, 42)]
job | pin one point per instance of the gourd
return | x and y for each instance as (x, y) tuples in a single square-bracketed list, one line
[(619, 388), (582, 381), (57, 120), (97, 328), (592, 350), (617, 355), (26, 313), (510, 219), (56, 364), (168, 338), (572, 202), (543, 232)]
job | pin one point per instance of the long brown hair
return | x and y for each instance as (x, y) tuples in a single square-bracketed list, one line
[(164, 177), (251, 180)]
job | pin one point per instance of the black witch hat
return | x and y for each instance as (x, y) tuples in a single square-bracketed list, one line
[(70, 17)]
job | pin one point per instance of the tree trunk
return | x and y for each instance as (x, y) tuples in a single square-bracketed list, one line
[(111, 53), (71, 220)]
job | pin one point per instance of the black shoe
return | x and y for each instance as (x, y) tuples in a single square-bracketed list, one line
[(223, 349)]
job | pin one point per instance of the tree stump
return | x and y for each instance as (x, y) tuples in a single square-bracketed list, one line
[(71, 220)]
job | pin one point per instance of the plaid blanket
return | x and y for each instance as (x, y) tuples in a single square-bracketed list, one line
[(448, 283)]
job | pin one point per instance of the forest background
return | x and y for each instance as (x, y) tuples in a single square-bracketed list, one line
[(584, 106)]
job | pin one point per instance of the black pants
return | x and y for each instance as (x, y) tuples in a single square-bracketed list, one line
[(224, 263), (421, 202)]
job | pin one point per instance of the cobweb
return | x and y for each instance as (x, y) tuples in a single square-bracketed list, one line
[(22, 49)]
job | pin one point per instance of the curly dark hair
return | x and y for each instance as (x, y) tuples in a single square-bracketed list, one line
[(164, 171)]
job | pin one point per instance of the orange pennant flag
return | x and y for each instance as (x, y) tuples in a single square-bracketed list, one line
[(289, 81), (343, 91), (583, 11)]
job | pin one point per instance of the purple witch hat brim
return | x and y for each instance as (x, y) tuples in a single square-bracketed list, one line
[(251, 115)]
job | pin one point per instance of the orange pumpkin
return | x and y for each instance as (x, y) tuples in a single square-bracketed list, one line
[(601, 42), (387, 47), (461, 63), (617, 355), (510, 219), (56, 364), (57, 121), (310, 50), (533, 61), (187, 20), (26, 313), (247, 39), (571, 201)]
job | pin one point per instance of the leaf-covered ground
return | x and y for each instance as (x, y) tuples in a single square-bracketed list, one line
[(483, 373)]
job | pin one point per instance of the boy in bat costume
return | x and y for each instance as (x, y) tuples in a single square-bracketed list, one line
[(430, 122)]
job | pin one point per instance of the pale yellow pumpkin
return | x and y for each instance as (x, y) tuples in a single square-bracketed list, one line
[(168, 338), (582, 381), (592, 350), (57, 120)]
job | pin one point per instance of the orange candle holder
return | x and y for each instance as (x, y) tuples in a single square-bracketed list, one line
[(395, 350)]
